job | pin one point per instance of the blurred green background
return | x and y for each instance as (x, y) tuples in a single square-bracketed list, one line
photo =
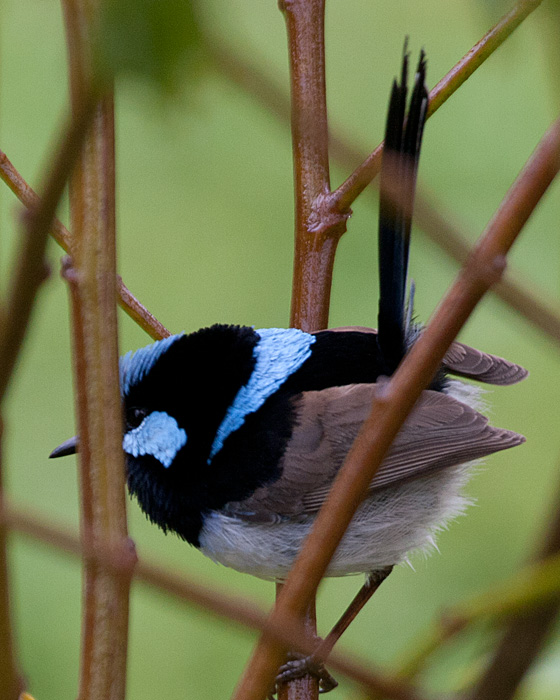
[(205, 235)]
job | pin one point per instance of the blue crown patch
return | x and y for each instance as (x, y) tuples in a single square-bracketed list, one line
[(134, 366)]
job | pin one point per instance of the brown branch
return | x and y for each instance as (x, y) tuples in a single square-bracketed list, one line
[(316, 236), (91, 276), (397, 398), (429, 216), (11, 683), (526, 635), (29, 198), (307, 686), (24, 284), (238, 610), (139, 313), (31, 269), (103, 518), (343, 197)]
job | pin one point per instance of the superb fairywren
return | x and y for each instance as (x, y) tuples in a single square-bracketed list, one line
[(233, 436)]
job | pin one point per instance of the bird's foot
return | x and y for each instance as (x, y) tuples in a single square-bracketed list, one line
[(299, 665)]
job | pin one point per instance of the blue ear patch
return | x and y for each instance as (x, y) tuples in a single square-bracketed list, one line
[(159, 435), (279, 353), (135, 365)]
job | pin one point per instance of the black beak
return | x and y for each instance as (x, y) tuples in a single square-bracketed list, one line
[(69, 447)]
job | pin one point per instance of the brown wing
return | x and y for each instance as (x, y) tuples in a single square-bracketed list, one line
[(439, 433), (469, 362)]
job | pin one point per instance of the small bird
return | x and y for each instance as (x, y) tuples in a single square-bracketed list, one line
[(233, 436)]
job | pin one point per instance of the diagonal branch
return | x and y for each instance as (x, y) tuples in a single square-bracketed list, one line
[(31, 268), (484, 268), (342, 198), (30, 199)]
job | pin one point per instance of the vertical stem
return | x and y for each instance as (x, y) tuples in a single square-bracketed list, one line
[(316, 237), (91, 276), (105, 623), (307, 687), (11, 684)]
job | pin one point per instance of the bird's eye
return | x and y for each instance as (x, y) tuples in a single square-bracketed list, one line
[(135, 416)]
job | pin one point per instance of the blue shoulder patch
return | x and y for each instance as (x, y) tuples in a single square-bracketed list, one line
[(158, 435), (279, 353), (135, 365)]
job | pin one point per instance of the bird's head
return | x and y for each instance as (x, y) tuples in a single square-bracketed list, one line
[(175, 394)]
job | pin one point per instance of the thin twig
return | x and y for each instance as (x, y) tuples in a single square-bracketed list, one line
[(238, 610), (31, 269), (343, 197), (397, 398), (30, 199), (11, 683), (139, 313)]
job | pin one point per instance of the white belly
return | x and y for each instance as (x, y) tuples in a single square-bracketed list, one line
[(386, 527)]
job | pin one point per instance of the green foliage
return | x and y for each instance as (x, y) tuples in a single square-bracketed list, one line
[(151, 38)]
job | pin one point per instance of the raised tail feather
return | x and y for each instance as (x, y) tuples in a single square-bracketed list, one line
[(403, 137)]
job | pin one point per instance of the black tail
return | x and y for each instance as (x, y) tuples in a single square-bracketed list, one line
[(403, 137)]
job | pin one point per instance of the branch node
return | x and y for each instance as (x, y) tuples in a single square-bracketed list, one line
[(120, 557), (487, 271), (500, 264), (129, 556), (285, 5), (326, 219), (67, 270)]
